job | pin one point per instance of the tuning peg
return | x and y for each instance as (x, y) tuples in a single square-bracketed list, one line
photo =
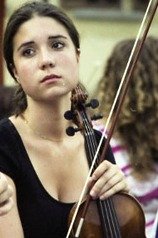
[(96, 117), (69, 115), (94, 103), (70, 131)]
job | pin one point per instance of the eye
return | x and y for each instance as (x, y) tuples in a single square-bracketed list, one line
[(28, 52), (57, 45)]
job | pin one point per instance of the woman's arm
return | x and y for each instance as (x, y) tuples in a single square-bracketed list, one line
[(6, 192), (10, 224)]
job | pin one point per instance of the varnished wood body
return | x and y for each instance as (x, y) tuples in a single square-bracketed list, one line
[(129, 214)]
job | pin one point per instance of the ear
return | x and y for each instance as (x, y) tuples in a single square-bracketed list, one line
[(15, 73), (78, 51)]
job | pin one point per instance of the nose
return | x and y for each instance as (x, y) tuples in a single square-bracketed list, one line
[(47, 65), (46, 60)]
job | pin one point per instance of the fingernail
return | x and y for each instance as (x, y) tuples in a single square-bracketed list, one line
[(103, 197), (93, 194)]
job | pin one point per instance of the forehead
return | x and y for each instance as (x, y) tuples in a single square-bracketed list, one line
[(40, 27)]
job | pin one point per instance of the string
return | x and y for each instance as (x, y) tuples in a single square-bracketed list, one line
[(108, 215), (106, 126)]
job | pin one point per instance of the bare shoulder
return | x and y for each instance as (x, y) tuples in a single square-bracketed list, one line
[(19, 124), (15, 120)]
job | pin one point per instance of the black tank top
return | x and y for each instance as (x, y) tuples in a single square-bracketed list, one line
[(41, 215)]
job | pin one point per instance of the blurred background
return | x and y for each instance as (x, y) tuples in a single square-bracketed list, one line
[(101, 24)]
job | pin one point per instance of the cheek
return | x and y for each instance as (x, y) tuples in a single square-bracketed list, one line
[(70, 66), (25, 76), (24, 71)]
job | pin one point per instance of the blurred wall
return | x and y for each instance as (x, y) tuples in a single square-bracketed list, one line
[(97, 40)]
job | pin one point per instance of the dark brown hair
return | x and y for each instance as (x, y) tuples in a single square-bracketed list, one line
[(6, 101)]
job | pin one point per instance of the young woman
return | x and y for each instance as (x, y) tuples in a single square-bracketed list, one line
[(42, 51), (135, 141)]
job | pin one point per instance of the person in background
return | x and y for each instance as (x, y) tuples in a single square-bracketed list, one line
[(135, 140), (6, 100), (37, 156)]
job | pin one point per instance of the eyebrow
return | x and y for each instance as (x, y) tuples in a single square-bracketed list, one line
[(56, 37), (25, 44), (32, 42)]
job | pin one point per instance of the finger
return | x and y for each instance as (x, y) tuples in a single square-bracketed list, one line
[(106, 181), (3, 183), (100, 170), (7, 206), (112, 178), (5, 195), (121, 186)]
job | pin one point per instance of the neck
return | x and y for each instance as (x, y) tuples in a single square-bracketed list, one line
[(48, 120)]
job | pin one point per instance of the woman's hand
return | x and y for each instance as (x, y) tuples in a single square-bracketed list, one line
[(108, 179), (6, 192)]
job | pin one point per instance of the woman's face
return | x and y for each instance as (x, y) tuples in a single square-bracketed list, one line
[(45, 59)]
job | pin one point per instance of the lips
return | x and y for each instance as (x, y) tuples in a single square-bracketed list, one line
[(51, 77)]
